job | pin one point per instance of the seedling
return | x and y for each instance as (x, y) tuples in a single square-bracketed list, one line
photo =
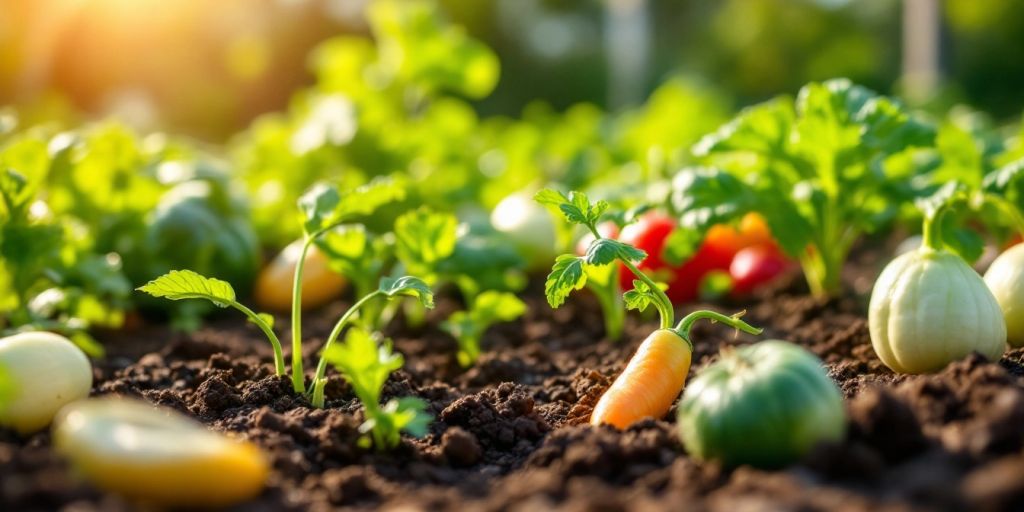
[(657, 372), (488, 308), (427, 244), (366, 365)]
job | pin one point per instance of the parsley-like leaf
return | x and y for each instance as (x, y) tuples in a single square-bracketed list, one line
[(566, 275)]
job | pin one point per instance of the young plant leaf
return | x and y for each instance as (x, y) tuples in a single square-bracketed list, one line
[(409, 414), (468, 327), (324, 205), (186, 284), (408, 286), (566, 275), (423, 238), (576, 207), (639, 297), (603, 251)]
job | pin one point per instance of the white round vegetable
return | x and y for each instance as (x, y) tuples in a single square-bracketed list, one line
[(929, 308), (47, 371), (1005, 278), (529, 226)]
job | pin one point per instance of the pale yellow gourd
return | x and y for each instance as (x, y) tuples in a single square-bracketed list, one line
[(156, 455), (1005, 278)]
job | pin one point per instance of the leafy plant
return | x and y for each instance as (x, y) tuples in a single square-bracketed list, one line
[(49, 279), (488, 308), (366, 365), (325, 207), (815, 169), (427, 243)]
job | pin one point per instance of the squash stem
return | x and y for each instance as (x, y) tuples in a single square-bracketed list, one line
[(684, 326)]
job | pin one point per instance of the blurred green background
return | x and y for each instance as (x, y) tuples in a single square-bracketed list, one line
[(208, 68)]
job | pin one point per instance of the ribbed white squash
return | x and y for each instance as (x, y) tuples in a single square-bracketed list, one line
[(1005, 278), (929, 308)]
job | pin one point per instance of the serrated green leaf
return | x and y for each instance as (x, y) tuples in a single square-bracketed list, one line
[(423, 238), (576, 207), (325, 205), (639, 297), (566, 275), (186, 284), (603, 251), (550, 197), (408, 286)]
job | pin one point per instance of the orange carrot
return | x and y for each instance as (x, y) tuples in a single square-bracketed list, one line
[(655, 375)]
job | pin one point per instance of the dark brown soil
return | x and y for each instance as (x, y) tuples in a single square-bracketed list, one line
[(511, 433)]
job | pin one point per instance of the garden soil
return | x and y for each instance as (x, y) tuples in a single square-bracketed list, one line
[(511, 432)]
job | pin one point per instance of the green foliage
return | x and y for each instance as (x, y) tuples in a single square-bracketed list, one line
[(423, 238), (326, 205), (407, 286), (186, 284), (639, 297), (468, 327), (49, 278), (816, 169), (366, 365), (571, 272), (566, 275)]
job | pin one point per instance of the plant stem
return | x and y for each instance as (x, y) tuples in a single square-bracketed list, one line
[(298, 380), (684, 326), (930, 235), (611, 305), (321, 367), (276, 343), (661, 302)]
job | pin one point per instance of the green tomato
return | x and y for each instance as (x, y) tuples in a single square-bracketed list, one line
[(929, 308), (1005, 278), (765, 405), (45, 371)]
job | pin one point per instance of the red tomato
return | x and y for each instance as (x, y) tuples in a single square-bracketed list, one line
[(607, 229), (755, 266), (649, 234)]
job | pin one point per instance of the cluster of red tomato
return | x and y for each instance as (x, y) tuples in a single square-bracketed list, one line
[(746, 253)]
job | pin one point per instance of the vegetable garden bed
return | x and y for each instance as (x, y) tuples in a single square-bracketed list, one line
[(510, 432)]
